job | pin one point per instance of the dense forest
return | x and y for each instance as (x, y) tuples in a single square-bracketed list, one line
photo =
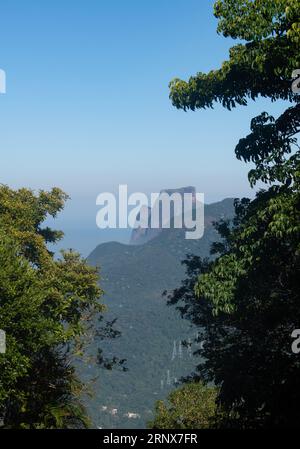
[(153, 337)]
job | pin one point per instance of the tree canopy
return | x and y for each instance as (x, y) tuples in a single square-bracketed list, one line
[(262, 66), (192, 406), (247, 298), (46, 305)]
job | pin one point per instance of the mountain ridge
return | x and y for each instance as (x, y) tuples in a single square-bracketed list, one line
[(134, 278)]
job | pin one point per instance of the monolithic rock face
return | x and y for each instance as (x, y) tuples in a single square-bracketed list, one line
[(140, 235), (182, 191)]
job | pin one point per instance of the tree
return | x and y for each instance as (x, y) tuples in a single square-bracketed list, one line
[(263, 66), (46, 309), (250, 291), (192, 406)]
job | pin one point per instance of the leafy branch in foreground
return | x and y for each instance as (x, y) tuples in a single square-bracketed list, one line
[(47, 306), (246, 300), (192, 406)]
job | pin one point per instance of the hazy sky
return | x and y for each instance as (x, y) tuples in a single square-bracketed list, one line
[(87, 104)]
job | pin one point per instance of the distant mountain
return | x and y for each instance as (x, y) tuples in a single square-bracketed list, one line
[(140, 235), (133, 278)]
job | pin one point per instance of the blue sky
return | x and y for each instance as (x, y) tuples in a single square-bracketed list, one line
[(87, 104)]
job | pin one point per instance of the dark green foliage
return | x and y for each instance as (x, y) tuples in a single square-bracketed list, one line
[(247, 300), (246, 317), (192, 406), (45, 308), (263, 66)]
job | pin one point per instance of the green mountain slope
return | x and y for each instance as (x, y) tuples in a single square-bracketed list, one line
[(133, 278)]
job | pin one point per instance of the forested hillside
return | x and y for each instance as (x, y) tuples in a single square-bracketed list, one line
[(134, 278)]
